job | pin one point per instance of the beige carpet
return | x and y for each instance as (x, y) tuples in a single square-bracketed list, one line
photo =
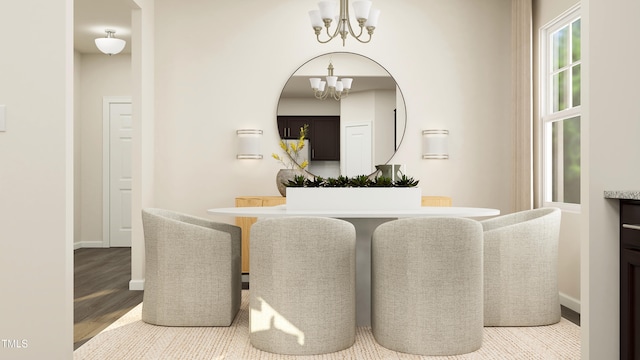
[(130, 338)]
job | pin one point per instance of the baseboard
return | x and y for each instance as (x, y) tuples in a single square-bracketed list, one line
[(569, 302), (136, 284), (88, 244)]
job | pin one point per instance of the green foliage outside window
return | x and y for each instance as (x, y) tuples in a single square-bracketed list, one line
[(564, 92)]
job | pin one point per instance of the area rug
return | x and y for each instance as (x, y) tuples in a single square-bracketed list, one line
[(131, 338)]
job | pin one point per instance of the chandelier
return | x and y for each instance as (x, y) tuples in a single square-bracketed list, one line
[(366, 17), (332, 87)]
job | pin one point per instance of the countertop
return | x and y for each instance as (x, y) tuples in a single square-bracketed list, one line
[(622, 194)]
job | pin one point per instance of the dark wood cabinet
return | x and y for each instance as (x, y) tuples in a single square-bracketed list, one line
[(323, 134), (289, 126), (629, 279)]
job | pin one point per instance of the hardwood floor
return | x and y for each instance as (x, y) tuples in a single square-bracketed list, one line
[(102, 295), (101, 290)]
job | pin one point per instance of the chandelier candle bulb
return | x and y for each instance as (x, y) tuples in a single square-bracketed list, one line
[(315, 83), (316, 19), (346, 83), (364, 14), (327, 9), (361, 9), (372, 21), (331, 81)]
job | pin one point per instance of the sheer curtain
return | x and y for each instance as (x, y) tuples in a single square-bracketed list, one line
[(521, 43)]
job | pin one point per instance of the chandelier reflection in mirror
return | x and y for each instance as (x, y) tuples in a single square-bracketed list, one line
[(364, 14), (332, 87)]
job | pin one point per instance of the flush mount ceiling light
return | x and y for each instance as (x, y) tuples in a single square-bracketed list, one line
[(337, 89), (110, 45), (364, 14)]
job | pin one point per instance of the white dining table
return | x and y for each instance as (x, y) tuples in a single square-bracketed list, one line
[(365, 223)]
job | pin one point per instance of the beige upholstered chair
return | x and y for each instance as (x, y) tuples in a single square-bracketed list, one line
[(192, 270), (521, 268), (302, 290), (427, 286)]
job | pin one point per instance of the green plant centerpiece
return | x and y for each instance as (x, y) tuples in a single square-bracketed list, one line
[(340, 181), (358, 181), (361, 193), (297, 181), (344, 192), (405, 181), (382, 181)]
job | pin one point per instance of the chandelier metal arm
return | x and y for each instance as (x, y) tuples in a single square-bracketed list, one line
[(327, 25), (330, 90), (318, 30), (343, 27), (361, 23), (323, 95)]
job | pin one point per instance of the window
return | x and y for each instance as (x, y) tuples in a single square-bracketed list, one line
[(560, 110)]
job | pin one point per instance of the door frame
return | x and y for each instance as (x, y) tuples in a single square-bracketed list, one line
[(106, 172)]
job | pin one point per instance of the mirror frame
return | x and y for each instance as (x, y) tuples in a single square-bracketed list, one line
[(404, 128)]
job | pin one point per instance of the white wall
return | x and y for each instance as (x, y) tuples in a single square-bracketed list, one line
[(36, 179), (77, 176), (569, 260), (545, 11), (143, 89), (613, 154), (308, 107), (456, 73), (383, 127), (100, 76)]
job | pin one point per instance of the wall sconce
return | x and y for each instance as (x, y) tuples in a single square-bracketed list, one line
[(434, 144), (249, 144)]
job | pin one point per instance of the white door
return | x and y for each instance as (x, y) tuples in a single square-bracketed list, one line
[(358, 151), (120, 133)]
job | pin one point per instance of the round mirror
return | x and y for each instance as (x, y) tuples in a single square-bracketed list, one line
[(350, 131)]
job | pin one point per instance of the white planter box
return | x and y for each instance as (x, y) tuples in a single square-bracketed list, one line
[(370, 198)]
